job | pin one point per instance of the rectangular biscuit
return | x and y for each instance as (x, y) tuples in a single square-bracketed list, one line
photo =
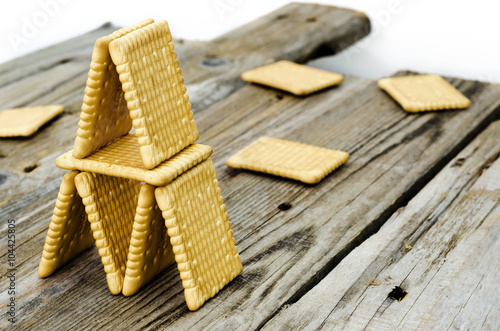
[(154, 89), (305, 163), (105, 116), (23, 122), (423, 93), (122, 159), (150, 251), (110, 204), (69, 230), (200, 233), (292, 77)]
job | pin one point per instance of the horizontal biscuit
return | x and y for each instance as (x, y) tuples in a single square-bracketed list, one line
[(305, 163), (122, 159), (26, 121), (424, 93), (292, 77)]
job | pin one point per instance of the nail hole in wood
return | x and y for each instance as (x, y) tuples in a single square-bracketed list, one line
[(397, 293), (311, 20), (213, 62), (284, 206), (3, 178), (279, 96), (63, 61), (30, 168), (281, 17), (459, 162)]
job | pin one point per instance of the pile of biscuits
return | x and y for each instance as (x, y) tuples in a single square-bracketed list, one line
[(150, 198)]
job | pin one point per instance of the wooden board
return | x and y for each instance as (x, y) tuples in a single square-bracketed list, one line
[(285, 251), (442, 249), (29, 179)]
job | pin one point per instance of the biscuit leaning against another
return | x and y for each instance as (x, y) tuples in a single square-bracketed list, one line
[(147, 196)]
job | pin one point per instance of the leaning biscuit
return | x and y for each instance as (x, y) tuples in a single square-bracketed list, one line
[(26, 121), (110, 204), (105, 116), (69, 230), (306, 163), (154, 89), (423, 93), (200, 233), (292, 77), (150, 251)]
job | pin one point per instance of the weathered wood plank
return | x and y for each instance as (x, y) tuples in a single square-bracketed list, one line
[(29, 180), (285, 253), (298, 32), (442, 249), (58, 75)]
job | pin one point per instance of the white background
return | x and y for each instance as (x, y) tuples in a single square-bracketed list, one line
[(456, 38)]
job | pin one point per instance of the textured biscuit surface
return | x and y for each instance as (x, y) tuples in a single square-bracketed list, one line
[(122, 159), (150, 251), (292, 77), (423, 93), (26, 121), (154, 89), (105, 116), (306, 163), (200, 233), (110, 204), (69, 230)]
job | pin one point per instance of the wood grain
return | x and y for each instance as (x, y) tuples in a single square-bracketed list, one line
[(29, 180), (286, 253), (442, 249)]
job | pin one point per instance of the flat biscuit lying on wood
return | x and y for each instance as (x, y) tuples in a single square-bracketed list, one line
[(423, 93), (292, 77), (26, 121), (306, 163)]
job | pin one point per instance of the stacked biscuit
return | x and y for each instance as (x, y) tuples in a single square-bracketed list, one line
[(151, 198)]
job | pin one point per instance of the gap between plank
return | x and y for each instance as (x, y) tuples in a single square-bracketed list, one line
[(373, 227)]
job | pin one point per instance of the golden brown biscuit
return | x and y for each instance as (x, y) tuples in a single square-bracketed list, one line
[(150, 251), (200, 233), (122, 159), (26, 121), (306, 163), (69, 230), (155, 92), (110, 204), (292, 77), (423, 93)]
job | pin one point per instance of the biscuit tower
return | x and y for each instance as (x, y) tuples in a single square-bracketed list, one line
[(148, 198)]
